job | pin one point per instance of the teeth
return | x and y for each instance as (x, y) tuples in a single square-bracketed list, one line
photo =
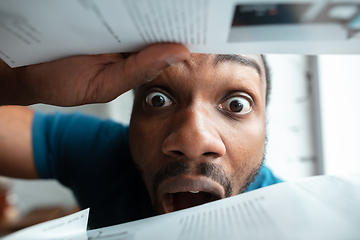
[(194, 191)]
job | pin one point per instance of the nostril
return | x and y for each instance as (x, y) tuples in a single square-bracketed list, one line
[(208, 153), (177, 153)]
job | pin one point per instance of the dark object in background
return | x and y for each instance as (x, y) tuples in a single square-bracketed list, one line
[(268, 14), (3, 199), (346, 14)]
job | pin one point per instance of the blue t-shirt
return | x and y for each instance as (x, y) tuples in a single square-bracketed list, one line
[(92, 157)]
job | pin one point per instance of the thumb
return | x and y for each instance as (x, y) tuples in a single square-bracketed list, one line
[(146, 65)]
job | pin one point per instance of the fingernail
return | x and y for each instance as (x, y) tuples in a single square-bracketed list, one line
[(174, 59)]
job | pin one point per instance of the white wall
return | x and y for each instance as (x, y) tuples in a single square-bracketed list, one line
[(339, 84), (119, 109), (291, 151)]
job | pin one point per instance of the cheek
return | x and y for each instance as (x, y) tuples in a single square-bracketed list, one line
[(145, 140), (245, 150)]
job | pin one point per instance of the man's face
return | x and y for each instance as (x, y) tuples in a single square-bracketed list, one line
[(197, 131)]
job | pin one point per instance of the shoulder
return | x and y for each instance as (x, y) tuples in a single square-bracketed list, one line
[(77, 126), (69, 141), (263, 179)]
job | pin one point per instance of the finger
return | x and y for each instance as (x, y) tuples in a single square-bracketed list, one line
[(144, 66)]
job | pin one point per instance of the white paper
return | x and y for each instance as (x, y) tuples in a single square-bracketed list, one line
[(322, 207), (43, 30), (72, 227)]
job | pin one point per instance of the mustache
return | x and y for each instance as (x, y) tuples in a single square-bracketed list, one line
[(210, 170)]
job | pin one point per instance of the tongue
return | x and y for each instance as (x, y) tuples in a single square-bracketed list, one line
[(184, 200)]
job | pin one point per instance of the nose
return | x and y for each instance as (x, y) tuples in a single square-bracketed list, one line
[(194, 135)]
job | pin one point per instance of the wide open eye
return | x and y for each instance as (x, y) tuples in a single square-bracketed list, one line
[(157, 99), (238, 105)]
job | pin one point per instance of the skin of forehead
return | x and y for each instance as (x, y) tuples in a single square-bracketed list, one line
[(197, 60), (196, 57)]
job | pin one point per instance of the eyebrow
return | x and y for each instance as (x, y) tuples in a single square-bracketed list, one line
[(237, 59)]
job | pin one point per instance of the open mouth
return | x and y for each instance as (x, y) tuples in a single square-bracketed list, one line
[(184, 192), (182, 200)]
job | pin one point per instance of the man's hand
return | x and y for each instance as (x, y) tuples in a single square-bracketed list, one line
[(86, 79)]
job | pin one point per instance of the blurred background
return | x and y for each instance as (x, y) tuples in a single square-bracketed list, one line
[(313, 125)]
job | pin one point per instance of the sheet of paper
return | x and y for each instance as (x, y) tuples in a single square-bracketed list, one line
[(72, 227), (322, 207), (44, 30)]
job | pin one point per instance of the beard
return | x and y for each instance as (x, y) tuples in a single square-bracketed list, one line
[(209, 170)]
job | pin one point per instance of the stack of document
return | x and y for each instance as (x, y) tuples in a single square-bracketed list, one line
[(43, 30), (320, 207)]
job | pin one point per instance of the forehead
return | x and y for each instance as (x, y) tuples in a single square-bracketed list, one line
[(252, 61), (212, 71)]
